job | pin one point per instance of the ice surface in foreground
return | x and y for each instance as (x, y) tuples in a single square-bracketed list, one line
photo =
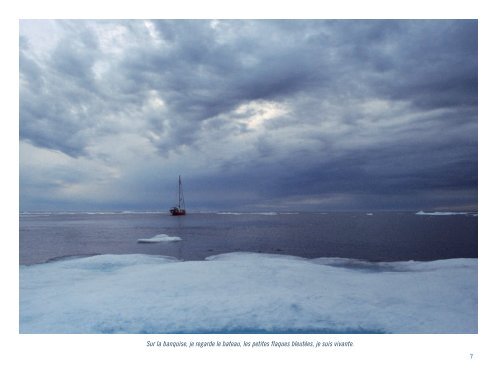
[(247, 292), (159, 239)]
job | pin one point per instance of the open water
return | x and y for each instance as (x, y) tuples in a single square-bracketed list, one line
[(388, 236)]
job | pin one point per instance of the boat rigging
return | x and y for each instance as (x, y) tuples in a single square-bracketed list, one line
[(180, 208)]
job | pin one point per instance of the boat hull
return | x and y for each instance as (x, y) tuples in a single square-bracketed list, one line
[(177, 212)]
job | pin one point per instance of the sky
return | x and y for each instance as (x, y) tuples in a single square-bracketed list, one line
[(256, 115)]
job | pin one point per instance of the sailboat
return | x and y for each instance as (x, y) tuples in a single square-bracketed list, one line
[(180, 208)]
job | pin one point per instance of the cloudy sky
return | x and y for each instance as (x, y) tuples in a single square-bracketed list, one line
[(255, 115)]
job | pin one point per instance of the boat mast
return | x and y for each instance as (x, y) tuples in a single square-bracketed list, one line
[(180, 208), (181, 195)]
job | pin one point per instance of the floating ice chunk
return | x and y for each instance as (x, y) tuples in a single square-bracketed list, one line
[(161, 238), (369, 214), (422, 213)]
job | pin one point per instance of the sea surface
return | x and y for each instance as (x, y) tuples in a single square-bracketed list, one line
[(261, 273), (389, 236)]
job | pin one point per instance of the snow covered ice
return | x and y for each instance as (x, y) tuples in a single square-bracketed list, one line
[(247, 292)]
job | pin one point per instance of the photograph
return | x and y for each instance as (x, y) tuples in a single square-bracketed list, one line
[(248, 176)]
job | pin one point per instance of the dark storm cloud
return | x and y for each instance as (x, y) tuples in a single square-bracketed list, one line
[(439, 66), (57, 94), (400, 172), (360, 107), (201, 76), (428, 63)]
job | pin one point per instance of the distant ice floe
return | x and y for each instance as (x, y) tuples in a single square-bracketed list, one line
[(422, 213), (247, 292), (369, 214), (125, 212), (161, 238), (33, 214), (63, 213), (246, 213)]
